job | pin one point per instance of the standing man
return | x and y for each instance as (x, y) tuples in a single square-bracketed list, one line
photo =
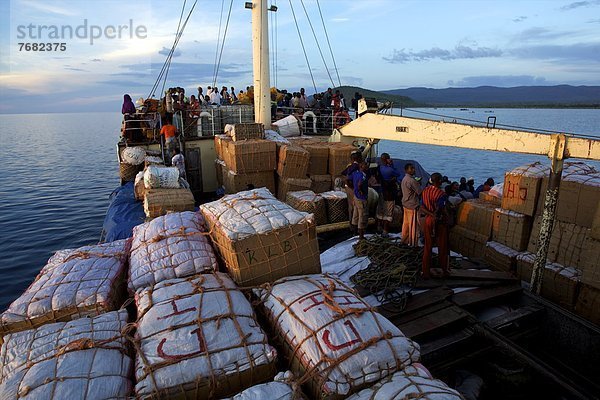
[(389, 191), (360, 214), (436, 228), (355, 159), (179, 162), (169, 131), (411, 190)]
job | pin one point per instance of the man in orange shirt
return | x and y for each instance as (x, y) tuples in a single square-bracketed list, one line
[(170, 132)]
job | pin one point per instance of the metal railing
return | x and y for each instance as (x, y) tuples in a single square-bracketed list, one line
[(141, 127)]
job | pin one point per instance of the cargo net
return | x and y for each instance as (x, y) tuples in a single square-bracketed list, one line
[(245, 131), (172, 246), (86, 358), (197, 338), (336, 203), (127, 172), (414, 382), (260, 238), (333, 339), (74, 283), (310, 202), (159, 202)]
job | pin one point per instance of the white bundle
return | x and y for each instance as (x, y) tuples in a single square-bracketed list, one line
[(578, 168), (156, 177), (133, 155), (138, 186), (153, 160), (81, 359), (497, 190), (288, 126), (411, 383), (334, 195), (280, 389), (252, 212), (502, 249), (229, 129), (198, 336), (333, 336), (172, 246), (535, 170), (275, 137), (74, 283), (591, 179)]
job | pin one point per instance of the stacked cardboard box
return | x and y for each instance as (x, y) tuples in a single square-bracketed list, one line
[(246, 131), (285, 185), (247, 164), (473, 228), (522, 188), (319, 158), (320, 183), (490, 198), (292, 162), (500, 257), (339, 157), (511, 228), (467, 242)]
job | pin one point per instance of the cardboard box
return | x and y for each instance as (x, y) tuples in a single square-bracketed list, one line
[(249, 155), (159, 202), (476, 215), (292, 162), (320, 183), (339, 157), (589, 262), (285, 185), (219, 168), (588, 303), (248, 130), (310, 202), (256, 258), (511, 229), (239, 182), (522, 188), (488, 198), (566, 242), (220, 147), (468, 243), (319, 158), (595, 231), (500, 257)]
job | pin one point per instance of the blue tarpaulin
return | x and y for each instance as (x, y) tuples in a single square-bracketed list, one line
[(124, 212)]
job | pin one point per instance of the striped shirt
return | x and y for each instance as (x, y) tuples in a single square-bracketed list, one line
[(433, 198)]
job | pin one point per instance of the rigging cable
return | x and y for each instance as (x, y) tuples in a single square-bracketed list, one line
[(317, 41), (303, 49), (223, 43), (162, 90), (329, 44), (162, 70), (218, 42)]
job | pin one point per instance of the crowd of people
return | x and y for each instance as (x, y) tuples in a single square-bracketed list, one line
[(428, 211)]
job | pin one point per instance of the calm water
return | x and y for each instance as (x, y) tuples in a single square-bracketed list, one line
[(59, 169)]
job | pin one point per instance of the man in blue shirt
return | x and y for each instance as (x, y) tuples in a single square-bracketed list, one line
[(355, 158), (360, 185), (389, 191)]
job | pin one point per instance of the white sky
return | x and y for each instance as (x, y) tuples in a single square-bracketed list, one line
[(378, 44)]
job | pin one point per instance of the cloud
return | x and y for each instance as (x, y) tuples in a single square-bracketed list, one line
[(593, 21), (46, 8), (183, 73), (500, 81), (576, 52), (76, 69), (578, 4), (540, 34), (96, 60), (520, 18), (459, 52), (340, 19), (165, 52)]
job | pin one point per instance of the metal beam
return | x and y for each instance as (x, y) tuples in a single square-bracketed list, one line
[(414, 130)]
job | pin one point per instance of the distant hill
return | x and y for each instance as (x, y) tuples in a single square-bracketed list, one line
[(490, 96), (398, 100)]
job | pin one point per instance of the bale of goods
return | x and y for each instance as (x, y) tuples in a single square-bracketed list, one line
[(339, 157), (139, 188), (175, 245), (127, 172), (285, 185), (221, 145), (511, 228), (288, 126), (589, 263), (198, 338), (239, 182), (337, 206), (411, 383), (500, 257), (522, 188), (275, 137), (320, 183), (159, 202), (87, 358), (468, 243), (220, 167), (153, 160), (282, 388), (245, 131), (260, 238), (476, 215), (588, 303), (331, 336), (292, 162), (74, 283), (318, 158), (566, 242), (310, 202), (559, 283), (156, 177), (490, 198), (133, 155), (249, 155)]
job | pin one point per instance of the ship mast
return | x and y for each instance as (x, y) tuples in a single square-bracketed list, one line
[(260, 57)]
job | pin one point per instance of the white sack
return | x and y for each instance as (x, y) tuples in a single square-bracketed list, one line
[(336, 337), (252, 212), (154, 160), (74, 283), (288, 126), (275, 137), (171, 246), (133, 155), (156, 177), (282, 388), (82, 359), (199, 335)]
